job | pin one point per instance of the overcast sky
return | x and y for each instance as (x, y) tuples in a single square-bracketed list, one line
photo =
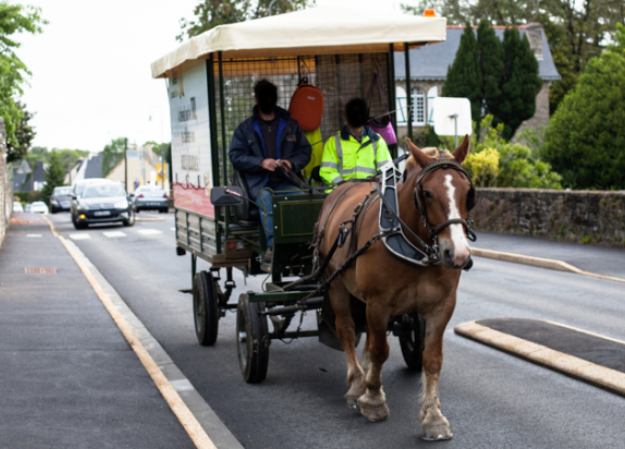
[(91, 69)]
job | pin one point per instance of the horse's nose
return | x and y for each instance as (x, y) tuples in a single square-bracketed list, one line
[(461, 255)]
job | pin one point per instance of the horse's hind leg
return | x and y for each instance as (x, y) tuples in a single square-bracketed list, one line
[(346, 331), (434, 426), (373, 403)]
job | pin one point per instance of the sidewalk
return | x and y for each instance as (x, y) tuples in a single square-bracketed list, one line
[(68, 378), (596, 259)]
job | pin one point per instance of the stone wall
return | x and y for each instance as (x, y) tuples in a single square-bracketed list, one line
[(541, 116), (596, 217)]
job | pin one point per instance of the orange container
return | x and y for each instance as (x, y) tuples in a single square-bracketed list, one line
[(307, 107)]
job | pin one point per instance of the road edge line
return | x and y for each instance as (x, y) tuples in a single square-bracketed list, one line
[(540, 262), (187, 418), (580, 369)]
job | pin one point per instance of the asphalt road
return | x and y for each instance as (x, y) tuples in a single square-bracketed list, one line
[(492, 400)]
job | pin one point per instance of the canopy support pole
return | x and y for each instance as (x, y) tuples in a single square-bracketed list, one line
[(409, 111), (224, 153), (392, 101)]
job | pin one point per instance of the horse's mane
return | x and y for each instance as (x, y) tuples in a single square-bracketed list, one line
[(411, 164)]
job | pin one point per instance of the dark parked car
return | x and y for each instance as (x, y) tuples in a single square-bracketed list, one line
[(151, 198), (103, 202), (61, 199)]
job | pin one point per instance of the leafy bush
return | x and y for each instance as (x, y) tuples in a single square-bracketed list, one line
[(514, 165), (586, 136), (483, 166)]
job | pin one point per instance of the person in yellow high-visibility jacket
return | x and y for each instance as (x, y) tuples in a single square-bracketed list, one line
[(356, 152)]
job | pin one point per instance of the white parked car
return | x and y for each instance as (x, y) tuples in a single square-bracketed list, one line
[(39, 207), (17, 207)]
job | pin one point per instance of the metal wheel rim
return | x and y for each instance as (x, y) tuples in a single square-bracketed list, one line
[(242, 340)]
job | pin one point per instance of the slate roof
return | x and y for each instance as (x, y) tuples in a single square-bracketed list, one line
[(431, 61), (94, 167), (40, 173)]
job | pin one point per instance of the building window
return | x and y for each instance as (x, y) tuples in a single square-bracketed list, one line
[(418, 103)]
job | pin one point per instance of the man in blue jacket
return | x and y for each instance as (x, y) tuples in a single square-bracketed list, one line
[(263, 147)]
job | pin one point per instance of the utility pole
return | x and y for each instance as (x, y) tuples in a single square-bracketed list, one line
[(126, 163)]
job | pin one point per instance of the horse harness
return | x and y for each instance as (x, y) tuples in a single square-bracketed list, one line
[(391, 225)]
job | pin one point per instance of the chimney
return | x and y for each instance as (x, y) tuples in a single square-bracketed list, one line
[(534, 33)]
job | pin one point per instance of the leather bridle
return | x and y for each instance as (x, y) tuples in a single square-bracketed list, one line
[(419, 201)]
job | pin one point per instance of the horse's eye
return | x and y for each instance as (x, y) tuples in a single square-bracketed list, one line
[(427, 194)]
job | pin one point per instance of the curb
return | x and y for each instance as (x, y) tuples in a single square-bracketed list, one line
[(193, 412), (597, 375), (540, 262)]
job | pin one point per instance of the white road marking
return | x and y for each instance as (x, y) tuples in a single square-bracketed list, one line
[(33, 235), (114, 234), (173, 229), (79, 236), (149, 231)]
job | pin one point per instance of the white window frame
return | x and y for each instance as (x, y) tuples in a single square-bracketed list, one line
[(418, 103)]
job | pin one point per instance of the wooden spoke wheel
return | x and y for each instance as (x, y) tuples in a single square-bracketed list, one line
[(252, 340), (411, 340), (205, 308)]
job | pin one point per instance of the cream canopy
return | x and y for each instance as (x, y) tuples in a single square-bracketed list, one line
[(315, 31)]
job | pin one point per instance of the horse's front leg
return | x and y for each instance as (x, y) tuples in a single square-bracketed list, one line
[(346, 331), (373, 403), (434, 426)]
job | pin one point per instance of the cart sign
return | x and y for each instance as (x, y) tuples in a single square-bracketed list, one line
[(190, 141)]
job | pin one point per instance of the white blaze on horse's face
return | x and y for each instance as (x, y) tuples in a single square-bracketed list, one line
[(461, 251)]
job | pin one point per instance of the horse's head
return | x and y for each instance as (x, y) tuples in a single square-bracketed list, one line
[(444, 195)]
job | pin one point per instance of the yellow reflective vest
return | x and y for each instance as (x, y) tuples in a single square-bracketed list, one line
[(345, 158)]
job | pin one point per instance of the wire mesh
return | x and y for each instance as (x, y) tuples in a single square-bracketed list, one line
[(339, 77)]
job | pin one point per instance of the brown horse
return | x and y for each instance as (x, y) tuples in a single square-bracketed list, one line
[(392, 287)]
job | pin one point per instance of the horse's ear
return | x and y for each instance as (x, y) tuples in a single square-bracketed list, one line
[(460, 153), (419, 156)]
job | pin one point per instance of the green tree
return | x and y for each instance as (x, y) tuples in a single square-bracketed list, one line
[(520, 82), (576, 31), (490, 59), (586, 135), (14, 19), (211, 13), (112, 154), (55, 174), (464, 77), (24, 134)]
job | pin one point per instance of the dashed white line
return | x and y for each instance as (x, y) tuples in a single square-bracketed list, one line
[(173, 229), (79, 236), (35, 236), (149, 231), (114, 234)]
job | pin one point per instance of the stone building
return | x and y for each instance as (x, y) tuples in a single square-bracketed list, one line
[(428, 70)]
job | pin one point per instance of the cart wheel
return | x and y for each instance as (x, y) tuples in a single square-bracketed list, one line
[(205, 308), (252, 340), (411, 340)]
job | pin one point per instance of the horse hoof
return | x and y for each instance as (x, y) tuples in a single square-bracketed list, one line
[(439, 437), (352, 403), (373, 412), (437, 433)]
